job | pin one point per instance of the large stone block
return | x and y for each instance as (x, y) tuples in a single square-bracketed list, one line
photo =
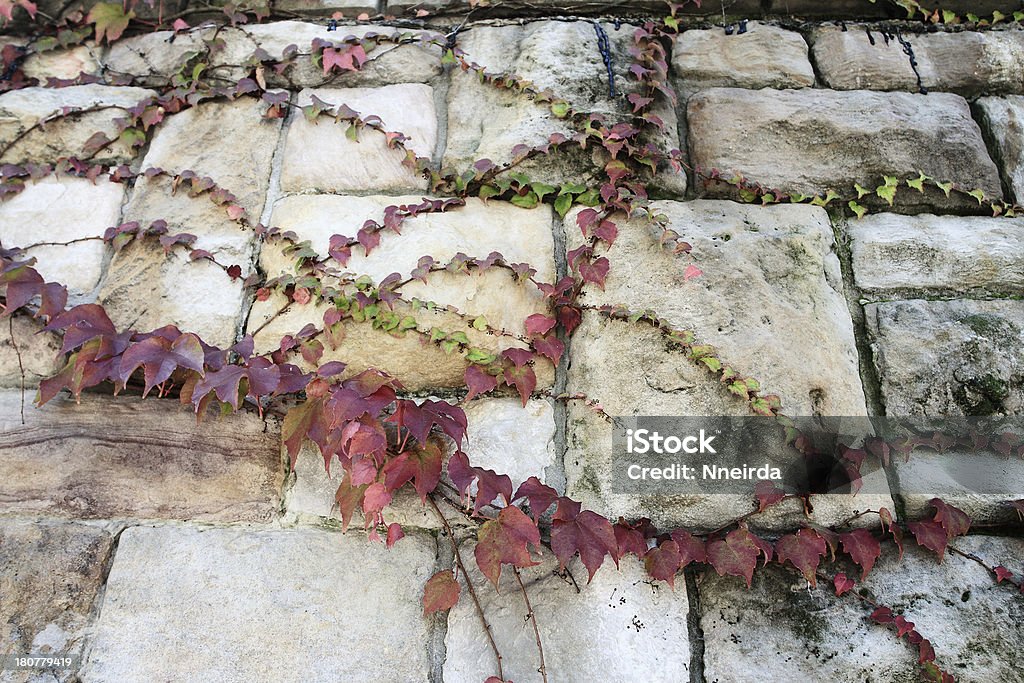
[(521, 235), (487, 123), (125, 457), (808, 141), (965, 62), (765, 56), (782, 629), (1003, 119), (55, 210), (319, 156), (21, 110), (153, 58), (949, 357), (619, 627), (180, 604), (897, 255), (50, 576), (64, 64), (770, 300), (30, 350)]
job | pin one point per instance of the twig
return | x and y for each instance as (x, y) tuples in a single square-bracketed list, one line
[(21, 367), (533, 617), (469, 584)]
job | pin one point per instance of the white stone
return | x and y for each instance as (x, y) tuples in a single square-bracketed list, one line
[(506, 437), (938, 254), (21, 109), (619, 627), (38, 354), (318, 156), (765, 56), (235, 604), (62, 209), (1003, 117), (63, 64)]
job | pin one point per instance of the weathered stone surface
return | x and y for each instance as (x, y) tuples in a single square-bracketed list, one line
[(154, 57), (349, 8), (487, 123), (783, 630), (318, 156), (966, 62), (64, 64), (36, 353), (616, 628), (521, 235), (1003, 119), (949, 357), (896, 255), (764, 57), (811, 140), (180, 604), (388, 63), (125, 457), (62, 209), (22, 109), (50, 575), (770, 301)]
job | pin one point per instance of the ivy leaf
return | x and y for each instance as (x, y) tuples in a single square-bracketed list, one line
[(857, 208), (931, 535), (539, 496), (80, 324), (550, 347), (843, 583), (662, 562), (886, 192), (595, 272), (735, 555), (585, 532), (630, 539), (159, 357), (110, 20), (955, 521), (691, 548), (804, 550), (767, 495), (539, 324), (479, 381), (506, 540), (1002, 573), (863, 548), (348, 498), (441, 592)]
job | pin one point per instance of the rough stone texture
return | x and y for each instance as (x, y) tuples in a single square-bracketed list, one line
[(810, 140), (484, 122), (895, 254), (387, 64), (181, 605), (50, 575), (1003, 119), (22, 109), (155, 57), (318, 156), (949, 357), (770, 274), (62, 209), (521, 235), (764, 57), (125, 457), (38, 352), (966, 62), (145, 288), (617, 628), (783, 630), (63, 64)]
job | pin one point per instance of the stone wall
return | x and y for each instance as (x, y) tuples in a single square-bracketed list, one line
[(162, 549)]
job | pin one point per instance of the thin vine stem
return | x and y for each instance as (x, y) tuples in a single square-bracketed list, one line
[(532, 616)]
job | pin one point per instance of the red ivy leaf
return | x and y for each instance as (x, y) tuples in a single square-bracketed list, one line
[(478, 381), (539, 324), (539, 496), (506, 540), (691, 549), (395, 534), (955, 521), (441, 592), (550, 347), (804, 550), (1002, 573), (863, 548), (585, 532), (767, 495), (595, 272), (523, 379), (931, 535), (735, 555), (159, 357), (663, 562), (842, 583)]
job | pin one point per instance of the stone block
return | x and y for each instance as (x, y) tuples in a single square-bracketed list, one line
[(180, 604), (765, 56), (959, 357), (21, 110), (1003, 121), (124, 457), (37, 354), (618, 627), (64, 64), (897, 255), (318, 155), (809, 141), (968, 63), (63, 209)]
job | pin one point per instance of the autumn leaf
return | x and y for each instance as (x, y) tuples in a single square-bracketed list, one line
[(804, 550), (955, 521), (691, 548), (842, 583), (585, 532), (663, 562), (735, 555), (506, 540), (931, 535), (539, 496), (110, 20), (863, 548), (767, 495), (159, 357), (441, 592)]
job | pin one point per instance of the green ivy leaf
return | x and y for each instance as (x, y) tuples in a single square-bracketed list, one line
[(713, 363), (857, 208), (978, 194), (480, 323), (918, 183), (459, 337), (110, 20), (861, 191), (541, 189), (526, 201), (449, 57), (589, 198), (480, 357), (560, 109), (352, 133), (563, 204), (886, 192), (437, 334)]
